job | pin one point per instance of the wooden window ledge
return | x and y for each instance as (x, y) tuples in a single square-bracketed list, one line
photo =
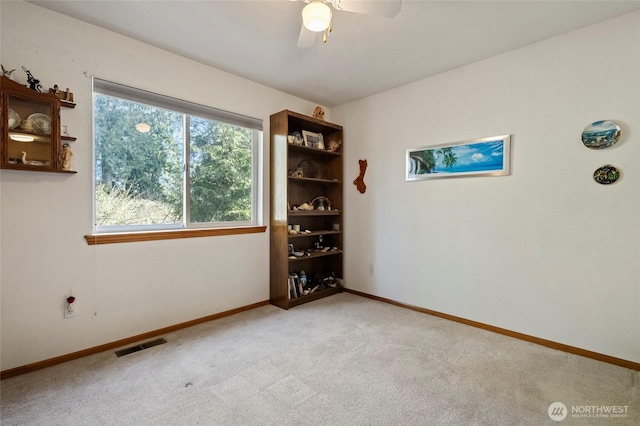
[(131, 237)]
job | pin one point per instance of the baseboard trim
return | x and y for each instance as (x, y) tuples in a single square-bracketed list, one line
[(537, 340), (129, 340), (123, 342)]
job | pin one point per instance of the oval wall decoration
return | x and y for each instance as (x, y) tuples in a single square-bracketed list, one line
[(606, 174), (601, 134)]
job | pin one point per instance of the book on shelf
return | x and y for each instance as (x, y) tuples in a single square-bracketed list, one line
[(295, 290)]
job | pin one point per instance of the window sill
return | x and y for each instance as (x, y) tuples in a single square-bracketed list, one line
[(132, 237)]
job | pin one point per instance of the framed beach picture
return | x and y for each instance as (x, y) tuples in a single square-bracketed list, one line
[(478, 157)]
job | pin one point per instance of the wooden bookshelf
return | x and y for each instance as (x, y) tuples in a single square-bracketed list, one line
[(324, 178)]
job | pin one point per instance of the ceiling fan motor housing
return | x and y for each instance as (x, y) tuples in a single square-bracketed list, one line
[(316, 16)]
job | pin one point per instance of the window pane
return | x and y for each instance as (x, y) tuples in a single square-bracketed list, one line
[(142, 141), (221, 171), (139, 161)]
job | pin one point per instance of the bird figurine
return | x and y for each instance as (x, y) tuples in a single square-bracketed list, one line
[(24, 157), (7, 73)]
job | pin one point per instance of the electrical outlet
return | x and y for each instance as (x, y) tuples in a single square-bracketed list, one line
[(372, 269), (70, 308)]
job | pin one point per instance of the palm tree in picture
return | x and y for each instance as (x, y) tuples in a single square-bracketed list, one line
[(449, 158), (423, 162)]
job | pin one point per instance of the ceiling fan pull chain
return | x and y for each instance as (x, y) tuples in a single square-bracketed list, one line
[(325, 35)]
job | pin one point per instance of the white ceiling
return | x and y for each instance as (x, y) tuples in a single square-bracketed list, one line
[(364, 55)]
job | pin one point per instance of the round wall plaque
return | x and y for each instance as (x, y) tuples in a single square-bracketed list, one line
[(601, 134), (606, 174)]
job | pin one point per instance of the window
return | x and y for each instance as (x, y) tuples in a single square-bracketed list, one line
[(143, 180)]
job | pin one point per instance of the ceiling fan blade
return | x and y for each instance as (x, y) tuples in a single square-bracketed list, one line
[(383, 8), (306, 38)]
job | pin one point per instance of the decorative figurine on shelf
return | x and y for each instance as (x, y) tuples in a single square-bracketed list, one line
[(68, 95), (34, 83), (297, 173), (9, 73), (318, 113), (359, 182), (297, 138), (333, 146), (63, 95), (305, 206), (65, 157), (321, 203)]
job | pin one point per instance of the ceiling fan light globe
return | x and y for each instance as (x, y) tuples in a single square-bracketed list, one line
[(316, 16)]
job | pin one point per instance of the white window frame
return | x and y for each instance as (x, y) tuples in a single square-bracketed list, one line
[(188, 109)]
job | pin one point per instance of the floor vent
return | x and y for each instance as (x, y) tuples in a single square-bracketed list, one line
[(142, 346)]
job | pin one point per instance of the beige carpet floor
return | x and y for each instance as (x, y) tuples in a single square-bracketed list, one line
[(343, 360)]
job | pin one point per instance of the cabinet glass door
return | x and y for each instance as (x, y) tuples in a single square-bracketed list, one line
[(30, 129)]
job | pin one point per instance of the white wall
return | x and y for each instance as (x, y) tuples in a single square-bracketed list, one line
[(122, 289), (545, 251)]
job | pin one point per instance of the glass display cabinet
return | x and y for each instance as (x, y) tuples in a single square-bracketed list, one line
[(30, 129)]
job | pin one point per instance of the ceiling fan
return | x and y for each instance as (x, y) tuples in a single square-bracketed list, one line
[(317, 15)]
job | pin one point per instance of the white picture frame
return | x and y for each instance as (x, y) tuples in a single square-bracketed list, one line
[(312, 140), (479, 157)]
